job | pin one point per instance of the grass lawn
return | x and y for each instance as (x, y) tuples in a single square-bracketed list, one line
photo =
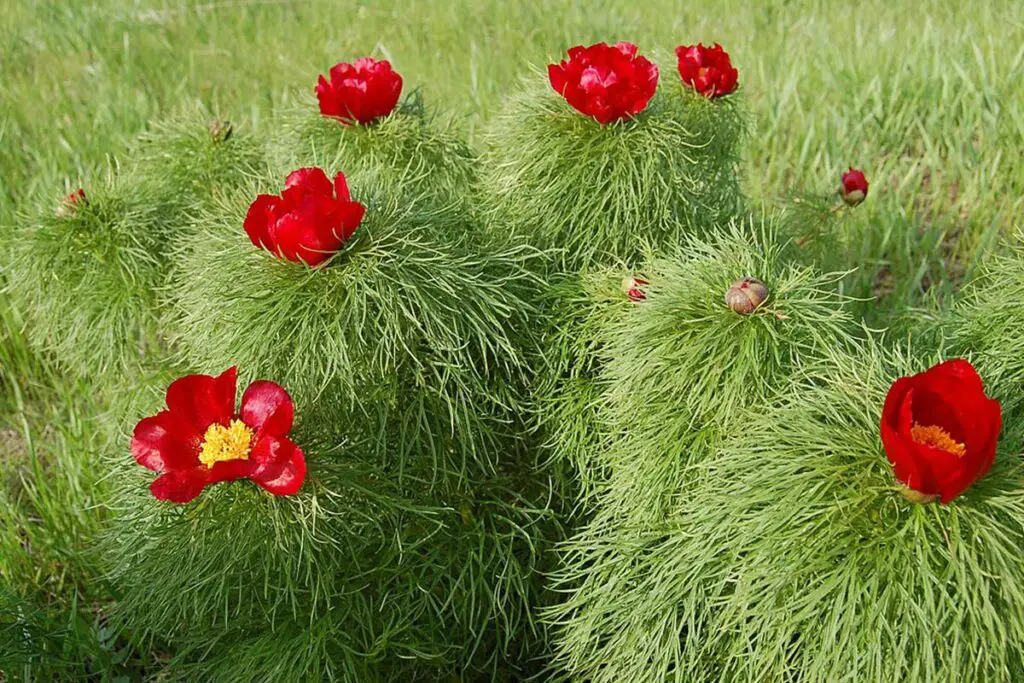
[(925, 95)]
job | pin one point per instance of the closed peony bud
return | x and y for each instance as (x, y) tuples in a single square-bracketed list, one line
[(220, 130), (632, 287), (745, 295), (70, 204), (854, 188)]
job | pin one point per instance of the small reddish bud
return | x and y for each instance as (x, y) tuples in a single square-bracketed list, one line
[(632, 287), (854, 188), (220, 130), (745, 295), (70, 204)]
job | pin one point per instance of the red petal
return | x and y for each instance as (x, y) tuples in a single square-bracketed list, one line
[(164, 442), (268, 409), (231, 470), (258, 219), (556, 76), (341, 192), (369, 65), (900, 449), (340, 72), (628, 49), (180, 486), (351, 215), (325, 96), (310, 180), (310, 232), (291, 475), (202, 400)]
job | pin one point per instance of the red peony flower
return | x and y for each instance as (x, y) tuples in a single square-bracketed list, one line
[(361, 92), (855, 187), (201, 440), (309, 221), (940, 430), (632, 287), (707, 69), (607, 82)]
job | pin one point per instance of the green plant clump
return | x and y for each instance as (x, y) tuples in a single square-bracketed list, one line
[(410, 150), (603, 194), (790, 553)]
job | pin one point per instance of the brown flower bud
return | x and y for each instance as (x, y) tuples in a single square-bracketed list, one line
[(745, 295), (220, 130), (632, 287)]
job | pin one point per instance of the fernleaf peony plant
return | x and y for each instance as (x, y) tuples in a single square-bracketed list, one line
[(453, 355)]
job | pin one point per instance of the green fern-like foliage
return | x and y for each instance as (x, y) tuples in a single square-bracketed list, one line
[(91, 278), (87, 278), (406, 335), (409, 150), (604, 194), (681, 358), (417, 547), (791, 555), (199, 154), (366, 575), (986, 322), (679, 371)]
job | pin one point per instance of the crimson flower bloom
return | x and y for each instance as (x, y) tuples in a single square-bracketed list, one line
[(940, 430), (309, 221), (201, 440), (360, 92), (855, 187), (606, 82), (707, 69)]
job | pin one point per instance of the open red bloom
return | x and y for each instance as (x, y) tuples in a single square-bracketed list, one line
[(607, 82), (855, 187), (309, 221), (201, 440), (940, 430), (707, 70), (360, 92)]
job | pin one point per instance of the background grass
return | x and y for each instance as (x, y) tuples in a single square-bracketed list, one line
[(925, 95)]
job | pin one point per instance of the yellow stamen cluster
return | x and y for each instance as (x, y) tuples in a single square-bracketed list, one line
[(936, 436), (222, 443)]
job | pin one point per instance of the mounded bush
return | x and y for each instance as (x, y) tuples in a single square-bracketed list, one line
[(410, 150), (602, 194), (790, 554), (88, 277), (408, 334)]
